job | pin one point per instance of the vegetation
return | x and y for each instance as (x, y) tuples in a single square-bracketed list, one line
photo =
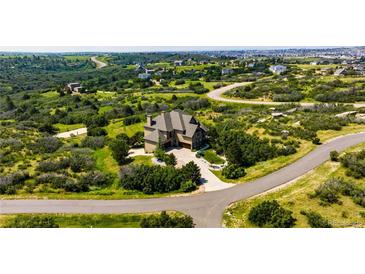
[(165, 220)]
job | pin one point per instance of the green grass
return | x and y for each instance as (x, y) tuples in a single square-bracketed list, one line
[(51, 94), (117, 127), (88, 220), (211, 156), (295, 198), (64, 128), (103, 109), (142, 160), (77, 57)]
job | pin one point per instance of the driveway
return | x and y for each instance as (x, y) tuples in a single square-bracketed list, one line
[(209, 180)]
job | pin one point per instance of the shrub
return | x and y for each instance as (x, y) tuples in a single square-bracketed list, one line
[(132, 120), (188, 186), (96, 131), (170, 159), (334, 155), (232, 171), (315, 220), (151, 179), (32, 221), (93, 142), (80, 162), (9, 183), (120, 150), (328, 192), (191, 171), (49, 166), (47, 145), (271, 214), (165, 220), (95, 178)]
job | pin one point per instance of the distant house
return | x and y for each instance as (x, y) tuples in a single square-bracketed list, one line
[(278, 69), (227, 71), (144, 75), (251, 65), (178, 63), (74, 87), (173, 129), (340, 72), (359, 67), (314, 63)]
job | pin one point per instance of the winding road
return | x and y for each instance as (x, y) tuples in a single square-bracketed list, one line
[(206, 208), (217, 95), (99, 64)]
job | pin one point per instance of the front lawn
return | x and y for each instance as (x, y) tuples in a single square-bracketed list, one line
[(211, 156)]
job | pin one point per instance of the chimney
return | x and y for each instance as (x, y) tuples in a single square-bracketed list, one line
[(149, 119)]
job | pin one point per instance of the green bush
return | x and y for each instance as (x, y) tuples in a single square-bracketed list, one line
[(32, 221), (271, 214), (232, 171), (165, 220), (334, 155), (188, 186), (315, 220)]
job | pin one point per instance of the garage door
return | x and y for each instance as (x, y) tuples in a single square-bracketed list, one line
[(185, 145)]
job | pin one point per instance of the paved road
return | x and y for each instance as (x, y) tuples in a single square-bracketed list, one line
[(217, 95), (99, 64), (71, 133), (206, 208)]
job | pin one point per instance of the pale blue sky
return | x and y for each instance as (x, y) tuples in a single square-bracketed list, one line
[(134, 49)]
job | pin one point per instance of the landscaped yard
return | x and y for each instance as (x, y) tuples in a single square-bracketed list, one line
[(211, 156), (295, 198), (64, 127), (117, 127)]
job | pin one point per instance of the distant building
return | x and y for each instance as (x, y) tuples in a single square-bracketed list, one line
[(74, 87), (314, 63), (227, 71), (278, 69), (340, 72), (144, 75), (251, 65), (178, 63)]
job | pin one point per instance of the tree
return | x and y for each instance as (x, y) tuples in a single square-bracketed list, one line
[(191, 171), (9, 105), (334, 155), (271, 214), (120, 150), (315, 220), (234, 154)]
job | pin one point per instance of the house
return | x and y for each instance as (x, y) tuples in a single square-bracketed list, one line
[(227, 71), (178, 63), (74, 87), (173, 129), (251, 65), (144, 75), (339, 72), (313, 63), (278, 69)]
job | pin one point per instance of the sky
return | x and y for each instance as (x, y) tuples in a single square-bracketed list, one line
[(58, 49)]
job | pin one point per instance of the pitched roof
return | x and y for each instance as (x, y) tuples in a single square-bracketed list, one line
[(174, 120)]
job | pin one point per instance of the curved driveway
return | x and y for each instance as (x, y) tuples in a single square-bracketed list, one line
[(207, 208), (99, 64)]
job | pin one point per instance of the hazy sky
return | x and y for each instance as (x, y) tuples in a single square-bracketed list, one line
[(132, 49)]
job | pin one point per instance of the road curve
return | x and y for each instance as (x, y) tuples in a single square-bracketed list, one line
[(217, 95), (206, 209), (99, 64)]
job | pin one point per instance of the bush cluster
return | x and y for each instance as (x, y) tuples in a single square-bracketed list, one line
[(152, 179), (165, 220), (271, 214)]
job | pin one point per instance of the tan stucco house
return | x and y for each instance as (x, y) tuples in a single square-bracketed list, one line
[(173, 129)]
